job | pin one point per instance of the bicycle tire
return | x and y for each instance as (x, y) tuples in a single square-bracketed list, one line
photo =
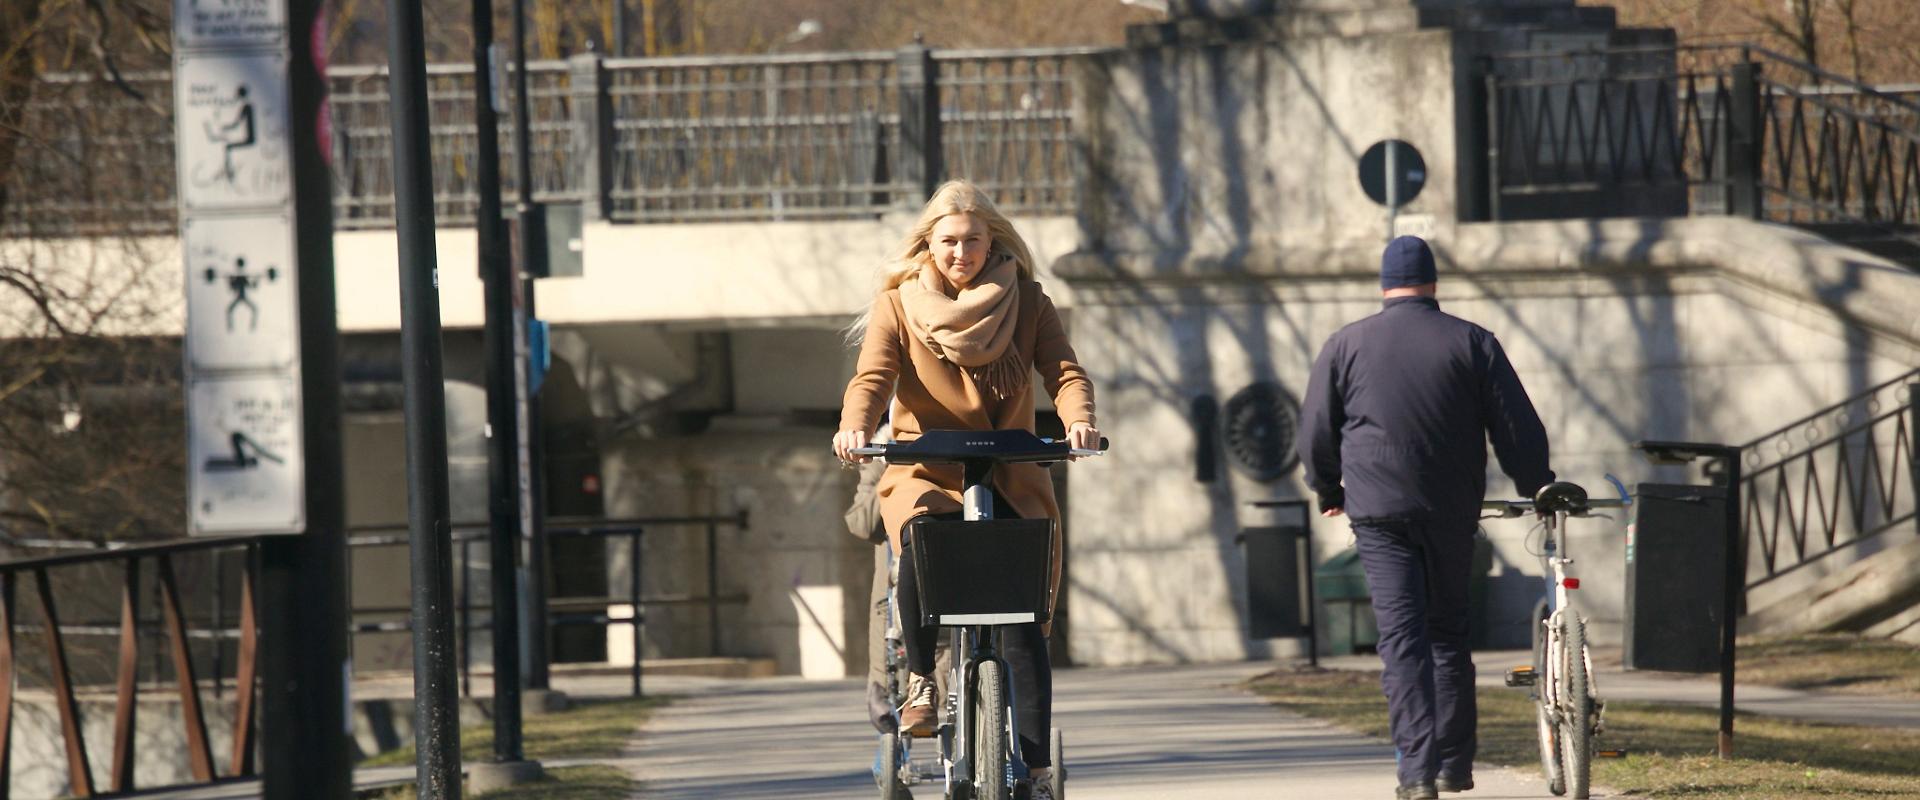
[(1543, 716), (891, 787), (1576, 714), (989, 735), (1057, 753)]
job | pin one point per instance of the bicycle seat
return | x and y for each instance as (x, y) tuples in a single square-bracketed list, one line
[(1560, 496)]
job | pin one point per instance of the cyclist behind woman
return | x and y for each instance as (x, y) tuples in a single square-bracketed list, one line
[(955, 335)]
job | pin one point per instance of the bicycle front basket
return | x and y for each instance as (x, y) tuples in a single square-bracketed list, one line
[(985, 572)]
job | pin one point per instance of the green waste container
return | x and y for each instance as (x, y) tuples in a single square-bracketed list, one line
[(1347, 605)]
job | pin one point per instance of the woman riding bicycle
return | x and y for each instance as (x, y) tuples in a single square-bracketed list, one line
[(954, 336)]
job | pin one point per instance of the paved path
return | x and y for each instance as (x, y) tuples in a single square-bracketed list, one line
[(1166, 732), (1616, 683)]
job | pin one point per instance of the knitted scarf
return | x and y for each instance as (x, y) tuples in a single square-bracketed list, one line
[(974, 328)]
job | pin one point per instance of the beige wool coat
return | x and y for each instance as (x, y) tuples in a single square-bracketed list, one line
[(930, 393)]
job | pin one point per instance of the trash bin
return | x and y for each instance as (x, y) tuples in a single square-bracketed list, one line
[(1341, 584)]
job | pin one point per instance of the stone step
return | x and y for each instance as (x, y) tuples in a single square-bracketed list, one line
[(1876, 589)]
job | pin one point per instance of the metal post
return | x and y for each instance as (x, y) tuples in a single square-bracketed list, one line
[(466, 618), (919, 166), (1735, 577), (534, 634), (219, 626), (1493, 147), (713, 590), (1306, 559), (305, 732), (1392, 186), (1913, 444), (619, 48), (436, 713), (592, 137), (1743, 142), (503, 464), (633, 600)]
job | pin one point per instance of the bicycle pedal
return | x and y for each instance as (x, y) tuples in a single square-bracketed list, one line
[(1609, 754), (1522, 676)]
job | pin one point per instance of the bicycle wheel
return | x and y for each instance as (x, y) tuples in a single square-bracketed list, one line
[(1576, 708), (1543, 716), (887, 770), (989, 734), (1057, 753)]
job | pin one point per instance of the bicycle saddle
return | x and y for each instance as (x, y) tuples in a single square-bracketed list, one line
[(1560, 496)]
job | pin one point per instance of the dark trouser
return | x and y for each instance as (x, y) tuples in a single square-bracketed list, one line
[(1023, 647), (1418, 571)]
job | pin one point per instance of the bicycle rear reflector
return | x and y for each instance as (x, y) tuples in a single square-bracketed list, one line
[(984, 572), (1571, 583)]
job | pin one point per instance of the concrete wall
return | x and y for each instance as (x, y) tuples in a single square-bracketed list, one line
[(795, 552), (1218, 153), (1691, 329), (737, 272)]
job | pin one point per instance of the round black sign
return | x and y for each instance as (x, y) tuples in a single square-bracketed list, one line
[(1409, 169), (1259, 424)]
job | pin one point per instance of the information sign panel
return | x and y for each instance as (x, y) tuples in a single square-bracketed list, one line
[(245, 456), (242, 307), (228, 23), (230, 114)]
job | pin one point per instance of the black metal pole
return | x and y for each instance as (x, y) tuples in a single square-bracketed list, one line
[(1735, 577), (306, 743), (436, 713), (633, 599), (466, 618), (619, 48), (1306, 572), (503, 451), (713, 590), (526, 414)]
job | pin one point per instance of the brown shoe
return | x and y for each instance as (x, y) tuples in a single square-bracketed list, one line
[(917, 714)]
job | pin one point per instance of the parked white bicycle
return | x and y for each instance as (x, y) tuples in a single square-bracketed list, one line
[(1561, 675)]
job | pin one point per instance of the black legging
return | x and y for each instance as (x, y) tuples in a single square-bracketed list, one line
[(1023, 647)]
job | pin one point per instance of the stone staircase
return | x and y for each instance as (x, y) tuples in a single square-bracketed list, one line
[(1832, 524)]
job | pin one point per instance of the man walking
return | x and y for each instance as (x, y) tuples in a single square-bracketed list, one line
[(1393, 433)]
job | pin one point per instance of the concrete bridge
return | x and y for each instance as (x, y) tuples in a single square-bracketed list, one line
[(1597, 194)]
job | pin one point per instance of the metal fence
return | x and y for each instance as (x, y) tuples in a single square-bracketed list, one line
[(1831, 480), (1728, 129), (632, 140)]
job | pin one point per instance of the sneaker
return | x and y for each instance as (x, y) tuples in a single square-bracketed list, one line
[(1041, 778), (1417, 791), (916, 715), (1446, 784)]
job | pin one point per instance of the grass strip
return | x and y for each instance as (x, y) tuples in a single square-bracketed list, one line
[(1670, 747), (590, 729), (595, 782), (1847, 663)]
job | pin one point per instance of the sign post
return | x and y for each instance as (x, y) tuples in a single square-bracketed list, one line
[(1392, 173), (262, 357)]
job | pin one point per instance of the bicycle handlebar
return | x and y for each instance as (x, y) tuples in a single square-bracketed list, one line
[(881, 451), (1519, 508), (1558, 497)]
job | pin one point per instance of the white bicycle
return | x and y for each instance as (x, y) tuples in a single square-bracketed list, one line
[(1569, 707)]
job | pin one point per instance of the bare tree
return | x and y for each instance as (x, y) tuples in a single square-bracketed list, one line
[(90, 417)]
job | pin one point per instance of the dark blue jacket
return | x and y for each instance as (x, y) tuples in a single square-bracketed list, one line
[(1400, 407)]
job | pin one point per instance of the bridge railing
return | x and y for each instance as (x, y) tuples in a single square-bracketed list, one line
[(1723, 129), (633, 140), (76, 649)]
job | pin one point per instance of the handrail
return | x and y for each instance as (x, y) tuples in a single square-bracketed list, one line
[(1908, 377), (173, 618)]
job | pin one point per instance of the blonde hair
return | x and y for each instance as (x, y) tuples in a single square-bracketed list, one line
[(953, 197)]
